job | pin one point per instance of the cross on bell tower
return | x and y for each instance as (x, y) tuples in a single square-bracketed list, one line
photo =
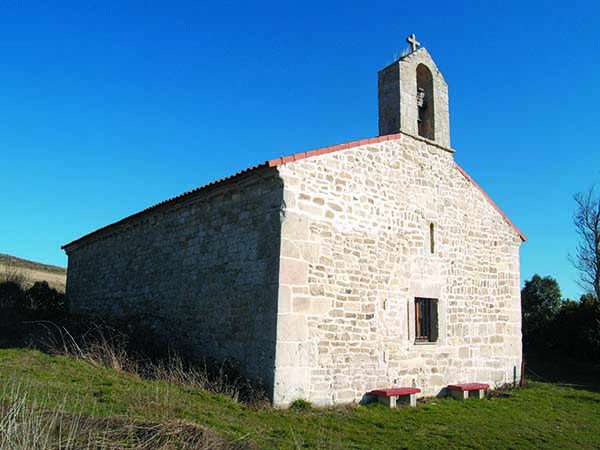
[(412, 40), (413, 97)]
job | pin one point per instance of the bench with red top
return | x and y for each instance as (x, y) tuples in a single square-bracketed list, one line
[(462, 391), (389, 397)]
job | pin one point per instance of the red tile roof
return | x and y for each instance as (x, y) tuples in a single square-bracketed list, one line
[(285, 160), (334, 148)]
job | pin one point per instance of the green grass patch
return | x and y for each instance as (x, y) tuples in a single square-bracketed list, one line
[(542, 415)]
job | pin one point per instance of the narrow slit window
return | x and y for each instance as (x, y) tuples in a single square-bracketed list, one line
[(432, 238), (426, 320)]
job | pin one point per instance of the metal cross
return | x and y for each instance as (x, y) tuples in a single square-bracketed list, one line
[(412, 40)]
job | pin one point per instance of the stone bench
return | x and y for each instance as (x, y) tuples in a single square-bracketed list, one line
[(462, 391), (389, 397)]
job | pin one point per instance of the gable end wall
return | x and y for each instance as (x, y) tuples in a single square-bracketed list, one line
[(355, 254)]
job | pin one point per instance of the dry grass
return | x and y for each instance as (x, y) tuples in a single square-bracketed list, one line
[(11, 273), (98, 346), (108, 347), (176, 371), (27, 424)]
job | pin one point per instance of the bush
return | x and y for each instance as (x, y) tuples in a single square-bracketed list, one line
[(39, 300), (552, 325), (555, 326), (541, 301), (576, 329), (12, 295), (43, 298)]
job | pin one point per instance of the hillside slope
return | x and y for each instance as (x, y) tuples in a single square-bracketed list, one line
[(32, 271)]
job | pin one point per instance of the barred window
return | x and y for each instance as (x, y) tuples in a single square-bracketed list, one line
[(426, 320)]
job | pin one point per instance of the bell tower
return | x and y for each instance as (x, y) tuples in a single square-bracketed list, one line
[(413, 97)]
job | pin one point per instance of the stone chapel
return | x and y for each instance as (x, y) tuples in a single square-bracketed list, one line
[(331, 272)]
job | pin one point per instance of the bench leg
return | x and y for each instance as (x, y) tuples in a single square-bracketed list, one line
[(459, 395), (390, 402), (481, 393), (413, 400)]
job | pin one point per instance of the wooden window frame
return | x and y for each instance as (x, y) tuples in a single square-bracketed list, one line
[(426, 320)]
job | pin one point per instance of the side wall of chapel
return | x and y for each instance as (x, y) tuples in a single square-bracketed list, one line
[(201, 272)]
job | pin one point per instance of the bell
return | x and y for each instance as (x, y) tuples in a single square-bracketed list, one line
[(420, 97)]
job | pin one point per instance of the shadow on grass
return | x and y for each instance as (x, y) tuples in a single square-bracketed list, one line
[(583, 399), (20, 330), (564, 371), (126, 346)]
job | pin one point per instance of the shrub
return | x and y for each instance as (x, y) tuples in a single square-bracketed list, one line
[(12, 295), (40, 299), (553, 325), (43, 298), (541, 301), (576, 329)]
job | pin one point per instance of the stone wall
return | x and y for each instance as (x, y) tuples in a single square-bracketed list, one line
[(202, 271), (355, 253)]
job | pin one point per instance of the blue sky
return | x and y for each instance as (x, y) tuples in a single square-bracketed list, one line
[(108, 108)]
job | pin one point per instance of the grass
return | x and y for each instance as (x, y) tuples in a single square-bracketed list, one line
[(542, 415), (31, 425)]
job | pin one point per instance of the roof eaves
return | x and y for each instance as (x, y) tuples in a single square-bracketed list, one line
[(168, 202)]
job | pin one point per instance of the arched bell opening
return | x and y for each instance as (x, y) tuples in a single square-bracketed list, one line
[(425, 102)]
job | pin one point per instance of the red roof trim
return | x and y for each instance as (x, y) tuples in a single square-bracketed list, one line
[(496, 207), (334, 148)]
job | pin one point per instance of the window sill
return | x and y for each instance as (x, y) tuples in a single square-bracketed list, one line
[(426, 343)]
